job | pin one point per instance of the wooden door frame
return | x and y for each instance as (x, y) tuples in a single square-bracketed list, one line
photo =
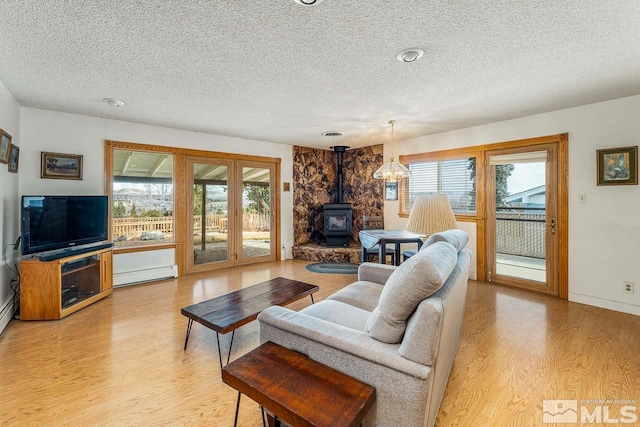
[(179, 192), (231, 207), (477, 151), (562, 143), (274, 185), (551, 212)]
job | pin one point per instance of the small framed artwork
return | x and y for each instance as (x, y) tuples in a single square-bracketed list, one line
[(618, 166), (390, 190), (60, 166), (5, 146), (14, 156)]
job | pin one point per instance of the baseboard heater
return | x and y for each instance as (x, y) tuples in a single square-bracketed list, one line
[(6, 313), (140, 276)]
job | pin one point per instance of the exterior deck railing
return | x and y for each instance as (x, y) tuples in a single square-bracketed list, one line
[(521, 231), (133, 228)]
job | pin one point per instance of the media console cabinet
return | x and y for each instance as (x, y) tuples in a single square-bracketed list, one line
[(55, 289)]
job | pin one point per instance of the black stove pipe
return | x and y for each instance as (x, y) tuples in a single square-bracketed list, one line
[(340, 149)]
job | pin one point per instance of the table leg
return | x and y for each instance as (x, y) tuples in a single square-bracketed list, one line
[(263, 422), (363, 254), (230, 345), (219, 351), (397, 258), (235, 420), (382, 252), (273, 421), (312, 301), (186, 339)]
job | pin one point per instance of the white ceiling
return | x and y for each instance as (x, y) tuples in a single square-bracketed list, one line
[(277, 71)]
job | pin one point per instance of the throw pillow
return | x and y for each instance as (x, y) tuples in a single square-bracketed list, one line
[(416, 279)]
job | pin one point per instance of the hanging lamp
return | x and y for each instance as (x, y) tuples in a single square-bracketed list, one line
[(392, 171)]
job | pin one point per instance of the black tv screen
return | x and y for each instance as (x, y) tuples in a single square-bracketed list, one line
[(57, 222)]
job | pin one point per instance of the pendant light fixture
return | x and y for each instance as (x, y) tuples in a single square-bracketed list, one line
[(392, 171)]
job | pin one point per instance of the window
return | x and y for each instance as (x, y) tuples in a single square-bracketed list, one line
[(142, 191), (454, 177)]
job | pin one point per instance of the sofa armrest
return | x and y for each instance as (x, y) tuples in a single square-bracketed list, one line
[(376, 273), (294, 330)]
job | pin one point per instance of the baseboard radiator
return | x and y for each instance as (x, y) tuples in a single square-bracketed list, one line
[(127, 278), (6, 313)]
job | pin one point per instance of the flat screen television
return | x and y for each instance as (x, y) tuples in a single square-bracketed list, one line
[(58, 222)]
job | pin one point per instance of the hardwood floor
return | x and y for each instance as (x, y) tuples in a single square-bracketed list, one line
[(121, 360)]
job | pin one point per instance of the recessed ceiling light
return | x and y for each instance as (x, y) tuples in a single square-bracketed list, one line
[(113, 102), (332, 134), (309, 2), (410, 55)]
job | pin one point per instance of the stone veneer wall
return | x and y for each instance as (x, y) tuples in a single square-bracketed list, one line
[(314, 184)]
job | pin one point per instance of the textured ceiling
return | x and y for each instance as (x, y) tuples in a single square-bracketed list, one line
[(277, 71)]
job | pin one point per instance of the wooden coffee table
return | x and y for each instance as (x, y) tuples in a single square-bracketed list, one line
[(298, 390), (228, 312)]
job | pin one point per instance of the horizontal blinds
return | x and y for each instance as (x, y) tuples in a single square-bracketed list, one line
[(451, 177)]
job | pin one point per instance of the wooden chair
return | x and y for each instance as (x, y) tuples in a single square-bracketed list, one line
[(376, 223)]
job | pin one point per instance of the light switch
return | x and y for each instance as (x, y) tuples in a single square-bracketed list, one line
[(582, 198)]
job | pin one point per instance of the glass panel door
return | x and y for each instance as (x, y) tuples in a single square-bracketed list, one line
[(210, 210), (257, 220), (521, 219)]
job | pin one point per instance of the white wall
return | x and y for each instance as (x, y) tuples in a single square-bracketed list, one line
[(44, 130), (9, 203), (604, 233)]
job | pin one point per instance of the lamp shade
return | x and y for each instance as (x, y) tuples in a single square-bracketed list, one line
[(431, 213)]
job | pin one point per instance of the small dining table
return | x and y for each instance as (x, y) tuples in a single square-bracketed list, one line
[(370, 238)]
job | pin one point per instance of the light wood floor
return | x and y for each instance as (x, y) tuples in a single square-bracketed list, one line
[(121, 360)]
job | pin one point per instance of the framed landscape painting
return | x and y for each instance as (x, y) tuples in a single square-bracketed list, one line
[(5, 146), (390, 190), (14, 156), (60, 166), (618, 166)]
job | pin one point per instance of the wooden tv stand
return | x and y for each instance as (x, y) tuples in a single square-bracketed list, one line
[(54, 289)]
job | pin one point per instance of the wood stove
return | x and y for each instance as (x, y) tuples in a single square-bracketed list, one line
[(338, 219)]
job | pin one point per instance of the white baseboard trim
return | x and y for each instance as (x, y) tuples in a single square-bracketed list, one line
[(605, 303), (6, 313), (140, 276)]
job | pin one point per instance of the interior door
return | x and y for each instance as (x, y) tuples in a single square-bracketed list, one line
[(210, 212), (522, 219), (256, 219)]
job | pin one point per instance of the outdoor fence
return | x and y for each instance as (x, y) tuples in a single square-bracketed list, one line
[(133, 228), (521, 233)]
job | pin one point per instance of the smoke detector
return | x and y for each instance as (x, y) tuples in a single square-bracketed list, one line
[(411, 54), (309, 2), (113, 102), (332, 134)]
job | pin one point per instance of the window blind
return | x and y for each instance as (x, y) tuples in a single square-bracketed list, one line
[(455, 178)]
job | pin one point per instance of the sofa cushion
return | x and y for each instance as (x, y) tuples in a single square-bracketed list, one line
[(415, 279), (361, 294), (339, 313), (457, 238)]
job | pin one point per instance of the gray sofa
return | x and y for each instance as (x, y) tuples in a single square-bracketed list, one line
[(396, 328)]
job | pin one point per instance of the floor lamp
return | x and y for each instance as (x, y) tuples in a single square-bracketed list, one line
[(431, 213)]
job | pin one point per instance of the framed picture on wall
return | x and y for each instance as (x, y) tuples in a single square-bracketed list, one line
[(390, 190), (618, 166), (5, 146), (60, 166), (14, 156)]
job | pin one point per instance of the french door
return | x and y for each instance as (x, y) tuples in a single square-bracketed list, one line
[(522, 217), (230, 211)]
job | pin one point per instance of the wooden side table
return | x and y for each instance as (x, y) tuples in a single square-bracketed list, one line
[(298, 390)]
